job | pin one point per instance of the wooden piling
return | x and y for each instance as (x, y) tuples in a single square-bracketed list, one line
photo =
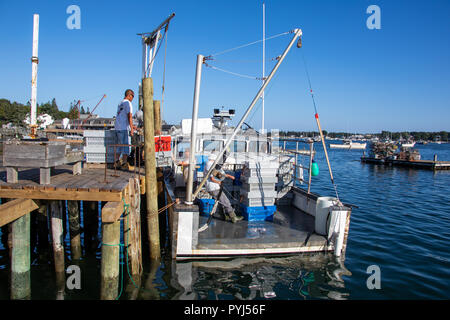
[(74, 229), (110, 260), (150, 170), (157, 117), (20, 259), (20, 253), (56, 215), (132, 229)]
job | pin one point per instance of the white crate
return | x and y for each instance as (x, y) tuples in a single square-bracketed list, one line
[(264, 172), (258, 193), (258, 187), (98, 158), (99, 133), (259, 202), (100, 141), (250, 180), (262, 164)]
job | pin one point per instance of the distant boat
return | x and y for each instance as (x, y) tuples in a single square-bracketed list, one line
[(409, 144), (349, 145)]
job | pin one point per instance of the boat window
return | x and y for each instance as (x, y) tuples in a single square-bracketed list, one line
[(238, 146), (258, 146), (212, 145), (182, 146)]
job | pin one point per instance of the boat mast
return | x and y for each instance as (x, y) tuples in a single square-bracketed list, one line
[(190, 180), (263, 64), (34, 69)]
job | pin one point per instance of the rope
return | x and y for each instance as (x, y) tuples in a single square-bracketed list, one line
[(249, 44), (318, 125), (233, 73), (167, 206), (164, 73)]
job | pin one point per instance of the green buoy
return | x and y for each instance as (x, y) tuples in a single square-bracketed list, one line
[(314, 169)]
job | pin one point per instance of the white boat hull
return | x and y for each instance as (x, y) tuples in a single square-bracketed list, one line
[(352, 146)]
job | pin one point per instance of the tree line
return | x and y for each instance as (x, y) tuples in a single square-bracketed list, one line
[(15, 113)]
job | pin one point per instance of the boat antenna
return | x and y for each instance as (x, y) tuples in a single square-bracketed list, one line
[(318, 126)]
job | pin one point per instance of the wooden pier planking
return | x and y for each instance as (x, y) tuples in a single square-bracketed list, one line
[(90, 185)]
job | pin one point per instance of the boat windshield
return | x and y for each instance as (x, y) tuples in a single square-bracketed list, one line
[(212, 145)]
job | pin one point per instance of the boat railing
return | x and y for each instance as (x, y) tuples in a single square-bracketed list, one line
[(299, 153)]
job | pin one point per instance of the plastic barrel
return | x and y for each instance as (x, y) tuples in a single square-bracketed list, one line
[(323, 205)]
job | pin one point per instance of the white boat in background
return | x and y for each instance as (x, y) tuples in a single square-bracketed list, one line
[(409, 144), (347, 145)]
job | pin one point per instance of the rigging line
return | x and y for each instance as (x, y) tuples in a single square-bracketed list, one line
[(164, 73), (309, 82), (247, 61), (233, 73), (251, 43), (320, 129), (258, 105)]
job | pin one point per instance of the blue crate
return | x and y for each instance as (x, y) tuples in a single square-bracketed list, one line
[(205, 206), (264, 213)]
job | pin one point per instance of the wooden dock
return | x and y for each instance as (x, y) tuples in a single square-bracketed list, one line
[(415, 164), (120, 194)]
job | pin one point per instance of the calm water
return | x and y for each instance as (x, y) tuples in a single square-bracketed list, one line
[(402, 225)]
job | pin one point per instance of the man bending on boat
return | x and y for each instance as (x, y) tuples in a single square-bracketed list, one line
[(124, 127), (214, 185)]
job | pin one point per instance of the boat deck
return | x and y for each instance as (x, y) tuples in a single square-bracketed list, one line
[(290, 228)]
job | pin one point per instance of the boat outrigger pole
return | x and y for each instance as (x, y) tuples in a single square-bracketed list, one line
[(297, 34)]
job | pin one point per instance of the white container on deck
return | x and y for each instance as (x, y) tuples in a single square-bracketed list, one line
[(337, 229), (323, 206)]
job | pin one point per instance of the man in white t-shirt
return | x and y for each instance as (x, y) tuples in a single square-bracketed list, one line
[(124, 125), (213, 185)]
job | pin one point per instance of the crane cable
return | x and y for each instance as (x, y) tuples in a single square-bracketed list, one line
[(164, 72), (320, 128)]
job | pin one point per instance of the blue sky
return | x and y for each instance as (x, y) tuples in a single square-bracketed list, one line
[(396, 78)]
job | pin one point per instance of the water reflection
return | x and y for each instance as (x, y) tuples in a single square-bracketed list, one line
[(312, 276)]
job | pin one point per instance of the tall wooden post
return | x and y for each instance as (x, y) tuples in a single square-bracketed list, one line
[(110, 260), (58, 243), (20, 258), (74, 229), (157, 116), (159, 171), (20, 254), (150, 170), (132, 229)]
